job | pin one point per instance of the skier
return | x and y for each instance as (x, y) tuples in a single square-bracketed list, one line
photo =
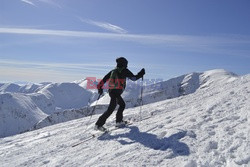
[(116, 84)]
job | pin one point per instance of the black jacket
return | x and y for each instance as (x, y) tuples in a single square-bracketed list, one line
[(125, 73)]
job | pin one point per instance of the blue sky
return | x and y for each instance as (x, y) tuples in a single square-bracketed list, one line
[(67, 40)]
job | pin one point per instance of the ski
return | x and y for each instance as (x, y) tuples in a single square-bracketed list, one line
[(93, 135), (124, 125), (100, 133), (83, 141)]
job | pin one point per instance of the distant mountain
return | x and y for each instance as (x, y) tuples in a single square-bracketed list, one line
[(18, 113), (22, 107), (59, 102)]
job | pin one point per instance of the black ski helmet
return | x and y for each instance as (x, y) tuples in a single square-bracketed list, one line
[(122, 62)]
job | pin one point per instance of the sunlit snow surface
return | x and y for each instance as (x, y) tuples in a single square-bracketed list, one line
[(209, 127)]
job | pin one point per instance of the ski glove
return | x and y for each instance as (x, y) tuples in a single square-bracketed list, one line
[(142, 72), (100, 91)]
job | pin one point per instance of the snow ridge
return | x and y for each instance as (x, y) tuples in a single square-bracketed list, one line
[(207, 128), (61, 102)]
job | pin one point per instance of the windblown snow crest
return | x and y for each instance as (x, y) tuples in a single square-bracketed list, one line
[(35, 106)]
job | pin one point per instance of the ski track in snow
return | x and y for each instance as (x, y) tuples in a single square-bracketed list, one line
[(207, 128)]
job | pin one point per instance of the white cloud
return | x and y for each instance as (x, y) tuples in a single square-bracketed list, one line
[(200, 44), (54, 72), (106, 26), (48, 2), (28, 2), (170, 40), (51, 2), (40, 65)]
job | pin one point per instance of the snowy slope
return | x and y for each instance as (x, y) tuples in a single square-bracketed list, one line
[(179, 86), (67, 95), (15, 88), (18, 113), (9, 87), (207, 128), (61, 102), (175, 87), (23, 106), (63, 116)]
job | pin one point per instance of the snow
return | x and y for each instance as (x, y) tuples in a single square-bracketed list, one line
[(15, 88), (67, 95), (22, 107), (207, 127), (183, 85), (175, 87), (18, 113)]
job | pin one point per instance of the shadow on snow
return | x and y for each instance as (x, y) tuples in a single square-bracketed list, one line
[(152, 141)]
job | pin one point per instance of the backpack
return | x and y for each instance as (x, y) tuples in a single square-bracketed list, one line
[(115, 81)]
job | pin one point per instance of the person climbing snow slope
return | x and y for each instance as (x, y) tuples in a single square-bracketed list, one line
[(116, 81)]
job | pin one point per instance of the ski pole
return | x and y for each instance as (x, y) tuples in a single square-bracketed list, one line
[(91, 113), (141, 100), (95, 106)]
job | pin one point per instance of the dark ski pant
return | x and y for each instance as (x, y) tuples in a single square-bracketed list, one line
[(115, 99)]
